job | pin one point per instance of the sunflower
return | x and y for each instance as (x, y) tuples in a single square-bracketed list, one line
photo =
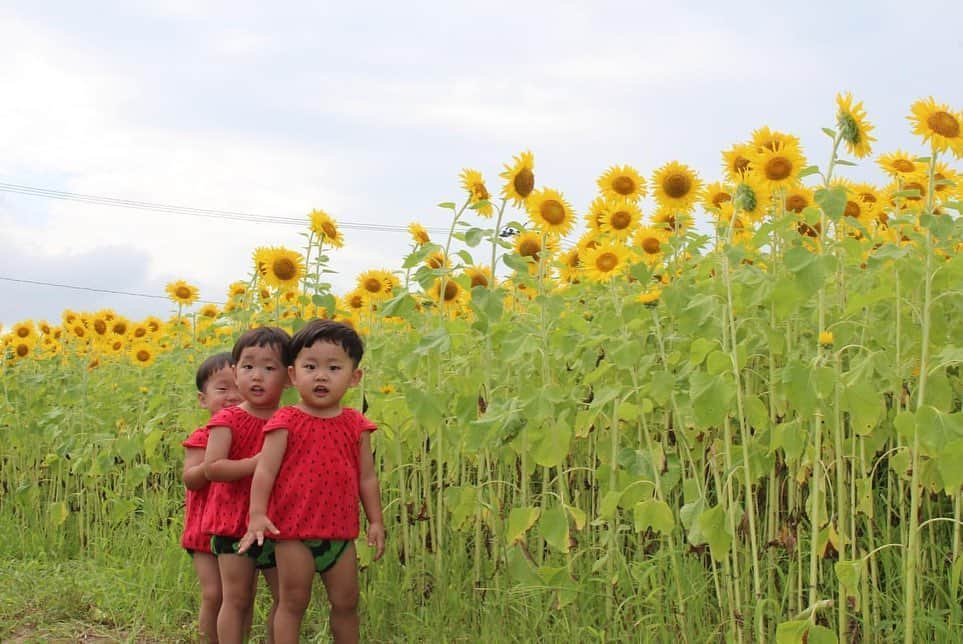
[(529, 244), (735, 161), (68, 317), (478, 276), (853, 127), (622, 182), (871, 197), (180, 292), (648, 242), (209, 311), (519, 178), (25, 332), (777, 166), (237, 289), (283, 268), (605, 261), (437, 260), (766, 138), (714, 195), (325, 228), (897, 164), (154, 324), (569, 265), (474, 185), (798, 198), (418, 234), (938, 125), (99, 323), (44, 327), (673, 220), (588, 241), (596, 211), (355, 301), (20, 349), (676, 186), (79, 329), (548, 209), (650, 297), (143, 354), (455, 295), (377, 284), (943, 177), (620, 218), (139, 331)]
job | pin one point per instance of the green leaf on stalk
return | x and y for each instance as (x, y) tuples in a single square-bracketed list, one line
[(713, 525), (450, 205), (465, 257), (797, 258), (718, 362), (609, 505), (821, 635), (553, 446), (663, 383), (481, 203), (949, 463), (553, 527), (913, 193), (578, 516), (699, 348), (844, 162), (521, 569), (832, 201), (756, 413), (848, 572), (654, 514), (824, 381), (793, 632), (515, 262), (831, 133), (865, 406), (711, 396), (399, 306), (473, 236), (808, 170), (520, 521)]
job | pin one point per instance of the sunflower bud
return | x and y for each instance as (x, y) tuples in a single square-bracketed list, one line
[(826, 338)]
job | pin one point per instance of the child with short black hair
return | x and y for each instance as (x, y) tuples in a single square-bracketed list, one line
[(215, 390), (315, 465), (235, 437)]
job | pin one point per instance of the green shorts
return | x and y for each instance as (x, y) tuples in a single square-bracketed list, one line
[(263, 556), (325, 552)]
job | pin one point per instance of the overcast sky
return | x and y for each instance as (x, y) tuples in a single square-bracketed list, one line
[(369, 111)]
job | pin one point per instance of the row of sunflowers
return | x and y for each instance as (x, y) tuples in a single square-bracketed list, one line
[(762, 177)]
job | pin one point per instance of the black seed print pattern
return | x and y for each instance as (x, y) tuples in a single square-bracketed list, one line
[(227, 503), (315, 494)]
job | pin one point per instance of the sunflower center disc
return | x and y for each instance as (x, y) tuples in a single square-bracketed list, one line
[(677, 185), (607, 262), (284, 268), (529, 248), (852, 209), (740, 164), (478, 279), (329, 230), (480, 191), (22, 350), (143, 356), (778, 168), (623, 185), (944, 124), (621, 220), (914, 185), (796, 203), (451, 291), (372, 285), (183, 293), (651, 245), (720, 198), (524, 182), (553, 212), (100, 327)]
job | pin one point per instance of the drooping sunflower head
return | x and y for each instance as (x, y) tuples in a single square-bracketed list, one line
[(605, 261), (519, 178), (650, 296), (871, 198), (777, 166), (549, 211), (853, 126), (569, 266), (474, 185), (897, 164), (736, 162), (418, 234), (325, 228), (237, 289), (180, 292), (377, 284), (622, 182), (676, 185), (620, 218), (209, 311), (455, 296), (939, 125), (437, 260), (282, 268)]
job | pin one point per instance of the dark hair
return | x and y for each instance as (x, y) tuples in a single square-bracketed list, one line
[(264, 336), (328, 331), (211, 366)]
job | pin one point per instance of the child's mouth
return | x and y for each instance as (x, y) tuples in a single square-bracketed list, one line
[(321, 391)]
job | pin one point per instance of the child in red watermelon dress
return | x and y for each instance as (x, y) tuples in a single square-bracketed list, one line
[(233, 446), (316, 464), (215, 390)]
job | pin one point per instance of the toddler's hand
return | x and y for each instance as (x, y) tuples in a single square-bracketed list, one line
[(376, 539), (256, 529)]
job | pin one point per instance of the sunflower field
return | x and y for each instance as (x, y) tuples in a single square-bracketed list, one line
[(703, 411)]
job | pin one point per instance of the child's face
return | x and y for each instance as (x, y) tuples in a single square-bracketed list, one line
[(220, 391), (260, 376), (322, 373)]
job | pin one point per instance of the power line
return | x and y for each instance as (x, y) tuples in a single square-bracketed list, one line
[(95, 290), (170, 209)]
